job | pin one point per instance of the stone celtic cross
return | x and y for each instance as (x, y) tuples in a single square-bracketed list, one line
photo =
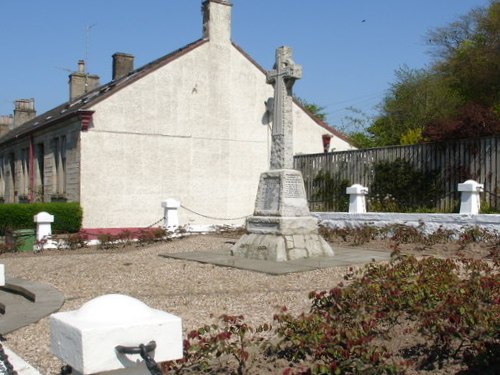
[(282, 77)]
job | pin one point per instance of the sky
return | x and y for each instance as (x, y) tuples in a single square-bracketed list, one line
[(348, 49)]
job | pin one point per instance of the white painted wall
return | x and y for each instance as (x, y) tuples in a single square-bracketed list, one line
[(192, 130)]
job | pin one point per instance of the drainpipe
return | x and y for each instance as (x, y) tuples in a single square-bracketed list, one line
[(31, 171)]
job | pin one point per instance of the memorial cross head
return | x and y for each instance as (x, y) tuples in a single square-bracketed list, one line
[(284, 70)]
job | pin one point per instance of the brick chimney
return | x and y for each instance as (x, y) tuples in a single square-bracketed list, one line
[(81, 82), (24, 111), (217, 20), (6, 123), (123, 64)]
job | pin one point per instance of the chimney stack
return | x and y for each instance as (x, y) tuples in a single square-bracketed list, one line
[(81, 82), (217, 20), (123, 64), (6, 123), (24, 111)]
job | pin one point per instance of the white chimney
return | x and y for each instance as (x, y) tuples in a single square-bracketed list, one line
[(217, 20)]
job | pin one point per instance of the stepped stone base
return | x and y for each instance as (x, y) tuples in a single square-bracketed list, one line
[(280, 247), (282, 225)]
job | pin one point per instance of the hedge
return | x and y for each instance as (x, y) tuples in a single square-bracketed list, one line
[(67, 216)]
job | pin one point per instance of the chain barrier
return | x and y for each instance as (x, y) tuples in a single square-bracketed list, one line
[(143, 351), (491, 193), (156, 222), (5, 365), (213, 217), (66, 370)]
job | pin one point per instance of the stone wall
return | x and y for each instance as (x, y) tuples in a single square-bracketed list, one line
[(429, 223)]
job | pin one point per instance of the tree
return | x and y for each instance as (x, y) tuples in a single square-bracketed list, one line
[(314, 109), (469, 55), (417, 97), (457, 96), (473, 121)]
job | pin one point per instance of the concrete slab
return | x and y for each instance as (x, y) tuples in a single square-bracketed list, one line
[(344, 256), (26, 302)]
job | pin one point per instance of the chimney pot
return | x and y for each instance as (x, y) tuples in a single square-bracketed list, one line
[(6, 123), (123, 64), (81, 83), (24, 111)]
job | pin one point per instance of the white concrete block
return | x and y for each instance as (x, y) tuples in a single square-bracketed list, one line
[(357, 199), (86, 338), (470, 200), (170, 214), (44, 222)]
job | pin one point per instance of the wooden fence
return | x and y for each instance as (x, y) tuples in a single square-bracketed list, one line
[(454, 162)]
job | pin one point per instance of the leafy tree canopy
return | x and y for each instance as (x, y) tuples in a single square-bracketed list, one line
[(457, 96)]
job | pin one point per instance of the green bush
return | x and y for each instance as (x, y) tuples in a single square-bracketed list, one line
[(330, 189), (398, 186), (450, 307), (67, 216)]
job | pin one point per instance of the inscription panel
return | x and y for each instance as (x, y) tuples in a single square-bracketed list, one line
[(268, 199), (293, 187)]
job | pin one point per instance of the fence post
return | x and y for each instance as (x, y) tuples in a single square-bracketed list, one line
[(89, 339), (470, 200), (357, 200), (170, 214)]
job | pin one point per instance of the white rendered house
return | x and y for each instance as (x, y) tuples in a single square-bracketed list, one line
[(192, 125)]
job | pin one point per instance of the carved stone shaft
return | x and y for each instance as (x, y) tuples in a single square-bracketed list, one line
[(282, 77)]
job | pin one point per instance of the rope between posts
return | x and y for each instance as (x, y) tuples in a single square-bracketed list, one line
[(213, 217)]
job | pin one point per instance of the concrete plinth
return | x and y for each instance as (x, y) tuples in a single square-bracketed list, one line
[(281, 248)]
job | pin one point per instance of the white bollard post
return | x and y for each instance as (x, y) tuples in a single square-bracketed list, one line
[(2, 274), (170, 214), (87, 339), (357, 200), (470, 200), (44, 222)]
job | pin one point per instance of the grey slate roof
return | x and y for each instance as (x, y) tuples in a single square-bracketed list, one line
[(82, 103)]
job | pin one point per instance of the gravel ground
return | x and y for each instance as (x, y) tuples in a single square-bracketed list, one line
[(195, 292)]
